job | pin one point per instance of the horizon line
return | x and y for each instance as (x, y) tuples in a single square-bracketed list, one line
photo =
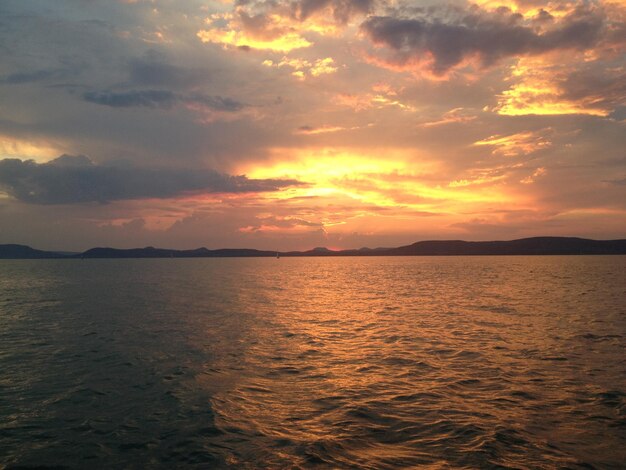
[(402, 249)]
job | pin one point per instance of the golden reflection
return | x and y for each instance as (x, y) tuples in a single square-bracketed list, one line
[(400, 359)]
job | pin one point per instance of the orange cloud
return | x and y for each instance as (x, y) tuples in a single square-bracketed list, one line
[(539, 172), (540, 90), (279, 27), (522, 143), (304, 68), (283, 43), (456, 115), (382, 97), (241, 29), (308, 130)]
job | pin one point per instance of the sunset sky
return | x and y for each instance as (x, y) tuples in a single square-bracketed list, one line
[(290, 124)]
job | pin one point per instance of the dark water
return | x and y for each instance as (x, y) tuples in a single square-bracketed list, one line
[(467, 362)]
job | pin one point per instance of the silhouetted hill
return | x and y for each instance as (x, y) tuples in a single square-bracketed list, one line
[(25, 252), (151, 252), (524, 246)]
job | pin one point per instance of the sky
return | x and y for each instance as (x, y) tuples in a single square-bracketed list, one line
[(292, 124)]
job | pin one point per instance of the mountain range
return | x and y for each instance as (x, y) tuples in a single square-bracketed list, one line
[(523, 246)]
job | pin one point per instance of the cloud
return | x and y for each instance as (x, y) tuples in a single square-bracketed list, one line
[(76, 179), (456, 115), (522, 143), (152, 70), (487, 37), (160, 99), (379, 99), (342, 10), (539, 172), (304, 68), (576, 85), (602, 87), (279, 25), (19, 78), (303, 10), (280, 224), (135, 98), (311, 130), (252, 31), (216, 103), (617, 182)]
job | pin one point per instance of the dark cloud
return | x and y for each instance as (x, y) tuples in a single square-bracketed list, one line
[(262, 25), (76, 179), (153, 70), (19, 78), (282, 222), (602, 84), (342, 10), (217, 103), (133, 98), (160, 99), (487, 36), (617, 182)]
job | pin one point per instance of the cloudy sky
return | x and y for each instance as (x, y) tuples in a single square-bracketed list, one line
[(290, 124)]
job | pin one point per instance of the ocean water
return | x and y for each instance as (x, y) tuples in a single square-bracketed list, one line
[(373, 363)]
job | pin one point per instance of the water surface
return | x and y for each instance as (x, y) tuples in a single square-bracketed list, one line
[(390, 362)]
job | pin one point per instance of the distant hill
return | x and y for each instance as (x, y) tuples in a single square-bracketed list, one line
[(151, 252), (25, 252), (523, 246)]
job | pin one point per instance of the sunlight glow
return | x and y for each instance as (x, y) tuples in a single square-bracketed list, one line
[(400, 182), (283, 43), (32, 149)]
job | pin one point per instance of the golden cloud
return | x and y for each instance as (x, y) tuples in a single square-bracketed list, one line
[(304, 68), (522, 143)]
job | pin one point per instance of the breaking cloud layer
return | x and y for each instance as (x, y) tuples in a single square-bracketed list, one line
[(76, 179), (406, 119), (281, 26)]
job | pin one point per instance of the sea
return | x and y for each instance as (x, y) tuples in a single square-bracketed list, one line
[(462, 362)]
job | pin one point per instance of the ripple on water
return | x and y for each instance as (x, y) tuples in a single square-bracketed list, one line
[(369, 363)]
